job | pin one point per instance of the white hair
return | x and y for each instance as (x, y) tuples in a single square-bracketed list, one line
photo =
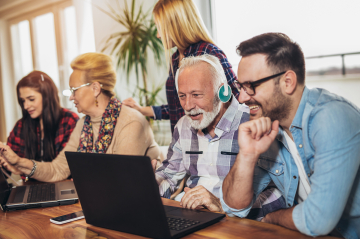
[(216, 71)]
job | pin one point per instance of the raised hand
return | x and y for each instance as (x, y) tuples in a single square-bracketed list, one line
[(198, 197), (256, 136)]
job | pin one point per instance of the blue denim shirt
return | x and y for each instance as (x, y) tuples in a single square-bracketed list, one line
[(326, 131)]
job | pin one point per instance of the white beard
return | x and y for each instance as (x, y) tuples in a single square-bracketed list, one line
[(208, 117)]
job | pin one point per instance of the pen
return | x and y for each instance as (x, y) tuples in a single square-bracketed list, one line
[(193, 152), (228, 153)]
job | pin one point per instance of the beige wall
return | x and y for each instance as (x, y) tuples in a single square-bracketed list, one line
[(2, 113)]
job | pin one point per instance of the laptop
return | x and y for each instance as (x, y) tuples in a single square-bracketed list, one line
[(119, 192), (37, 195)]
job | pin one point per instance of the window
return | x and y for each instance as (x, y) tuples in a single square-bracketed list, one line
[(44, 32), (320, 27), (20, 34), (46, 40)]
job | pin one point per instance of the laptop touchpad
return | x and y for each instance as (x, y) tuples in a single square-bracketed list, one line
[(19, 196), (69, 191), (169, 208)]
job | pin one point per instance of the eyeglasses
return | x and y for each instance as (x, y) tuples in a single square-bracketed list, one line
[(249, 87), (71, 91)]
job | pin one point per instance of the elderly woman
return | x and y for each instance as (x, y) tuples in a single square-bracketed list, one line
[(108, 127)]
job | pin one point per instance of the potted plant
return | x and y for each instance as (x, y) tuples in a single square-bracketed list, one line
[(131, 47)]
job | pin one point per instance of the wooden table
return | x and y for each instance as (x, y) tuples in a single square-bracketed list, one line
[(35, 223)]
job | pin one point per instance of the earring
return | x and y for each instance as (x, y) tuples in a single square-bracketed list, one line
[(96, 102), (221, 93)]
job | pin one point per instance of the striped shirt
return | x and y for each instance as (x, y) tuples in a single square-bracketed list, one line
[(205, 159)]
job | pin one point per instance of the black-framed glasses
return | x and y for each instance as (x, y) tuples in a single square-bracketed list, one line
[(249, 87)]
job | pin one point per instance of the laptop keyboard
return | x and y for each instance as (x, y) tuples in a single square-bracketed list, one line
[(41, 192), (179, 224)]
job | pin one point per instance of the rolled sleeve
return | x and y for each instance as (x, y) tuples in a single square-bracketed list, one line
[(232, 212), (157, 112)]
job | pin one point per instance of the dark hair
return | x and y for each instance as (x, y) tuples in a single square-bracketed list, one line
[(51, 114), (282, 53)]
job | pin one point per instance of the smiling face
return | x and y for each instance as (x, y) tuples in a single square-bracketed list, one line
[(197, 96), (83, 98), (32, 101), (268, 101)]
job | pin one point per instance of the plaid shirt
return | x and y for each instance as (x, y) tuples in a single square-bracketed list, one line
[(210, 167), (67, 124), (173, 109)]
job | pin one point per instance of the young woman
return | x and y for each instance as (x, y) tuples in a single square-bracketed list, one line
[(179, 25), (108, 127), (45, 127)]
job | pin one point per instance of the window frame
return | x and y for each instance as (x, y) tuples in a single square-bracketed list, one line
[(57, 9)]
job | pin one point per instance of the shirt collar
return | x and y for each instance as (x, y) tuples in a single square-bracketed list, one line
[(297, 121), (227, 119)]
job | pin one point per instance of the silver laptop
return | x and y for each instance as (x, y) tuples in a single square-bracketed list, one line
[(37, 195)]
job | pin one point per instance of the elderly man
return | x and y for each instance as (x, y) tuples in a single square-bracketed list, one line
[(204, 144), (313, 157)]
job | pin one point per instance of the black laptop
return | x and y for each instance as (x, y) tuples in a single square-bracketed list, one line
[(120, 192), (37, 195)]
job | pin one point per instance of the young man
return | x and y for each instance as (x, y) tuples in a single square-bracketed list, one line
[(305, 140), (204, 144)]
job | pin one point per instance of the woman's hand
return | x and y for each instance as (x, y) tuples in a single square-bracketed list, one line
[(133, 104), (145, 110), (5, 164), (10, 156)]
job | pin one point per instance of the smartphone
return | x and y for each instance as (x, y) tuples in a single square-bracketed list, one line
[(68, 218)]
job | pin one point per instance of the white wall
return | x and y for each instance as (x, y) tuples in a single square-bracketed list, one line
[(346, 86), (104, 26)]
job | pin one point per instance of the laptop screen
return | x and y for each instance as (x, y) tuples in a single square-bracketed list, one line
[(3, 183)]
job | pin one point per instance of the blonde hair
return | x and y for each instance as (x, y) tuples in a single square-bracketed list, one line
[(179, 21), (98, 67)]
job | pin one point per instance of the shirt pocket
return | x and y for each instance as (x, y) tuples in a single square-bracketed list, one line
[(271, 165)]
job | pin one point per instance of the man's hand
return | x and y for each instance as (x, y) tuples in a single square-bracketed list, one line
[(282, 217), (199, 196), (9, 155), (256, 136)]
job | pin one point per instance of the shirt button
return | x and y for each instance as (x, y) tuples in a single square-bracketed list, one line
[(211, 164), (294, 177), (308, 174), (300, 145), (277, 171)]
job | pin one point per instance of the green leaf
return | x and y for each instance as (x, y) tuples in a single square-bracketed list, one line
[(131, 46)]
